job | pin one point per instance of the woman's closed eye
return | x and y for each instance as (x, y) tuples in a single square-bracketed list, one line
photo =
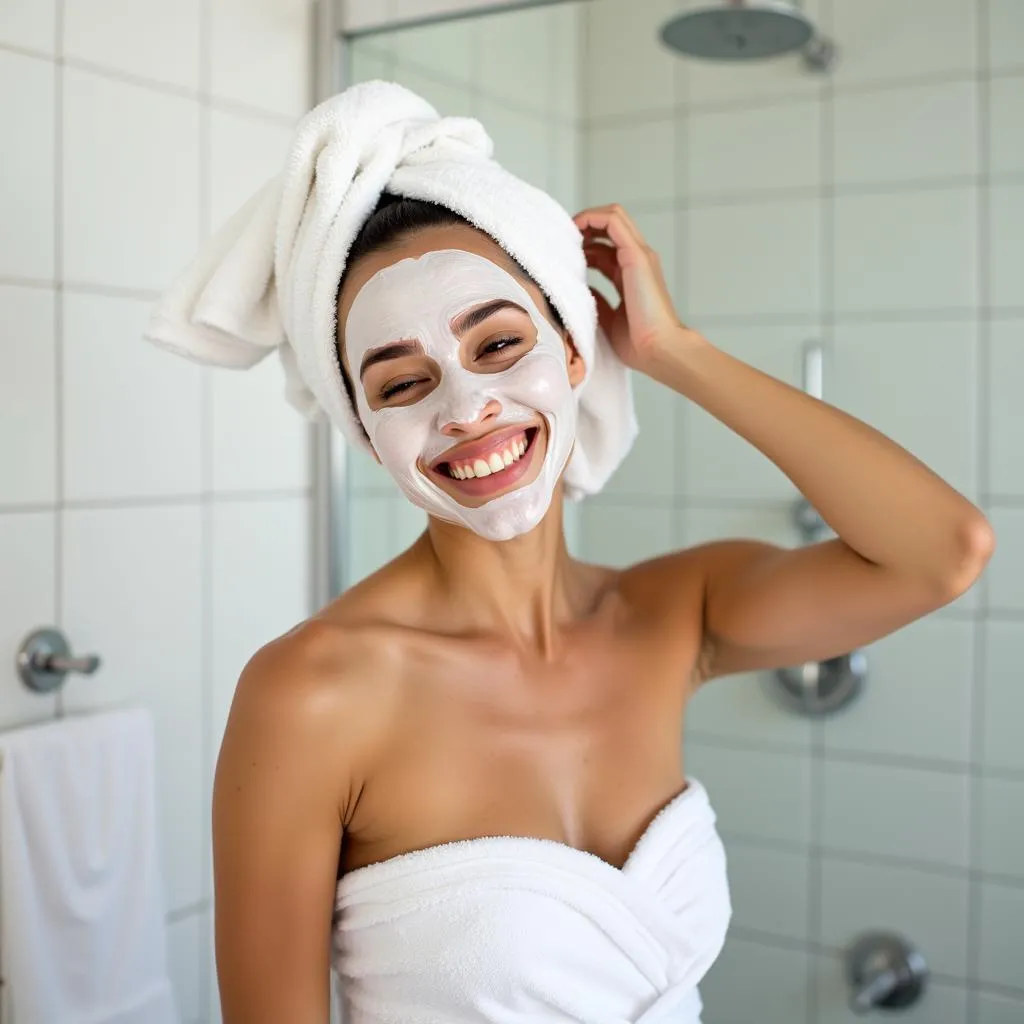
[(399, 387)]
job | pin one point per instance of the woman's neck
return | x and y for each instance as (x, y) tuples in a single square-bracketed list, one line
[(525, 589)]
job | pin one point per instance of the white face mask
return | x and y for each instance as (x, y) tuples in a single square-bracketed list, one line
[(417, 300)]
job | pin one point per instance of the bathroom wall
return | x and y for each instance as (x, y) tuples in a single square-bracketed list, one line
[(519, 73), (155, 511), (880, 210)]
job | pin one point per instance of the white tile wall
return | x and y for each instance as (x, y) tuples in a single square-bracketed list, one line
[(941, 1003), (27, 169), (783, 142), (27, 395), (716, 463), (918, 701), (774, 989), (29, 24), (245, 153), (1006, 144), (521, 140), (1002, 934), (999, 1009), (912, 39), (650, 468), (259, 54), (906, 251), (1006, 241), (1005, 25), (28, 600), (643, 78), (147, 38), (630, 162), (1003, 696), (132, 412), (132, 592), (621, 535), (930, 908), (133, 221), (867, 809), (781, 908), (184, 942), (879, 371), (117, 197), (757, 794), (754, 259), (449, 51), (1005, 580), (1002, 827), (502, 41), (903, 134), (259, 442), (1006, 369)]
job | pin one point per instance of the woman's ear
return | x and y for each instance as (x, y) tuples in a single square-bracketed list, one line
[(574, 364)]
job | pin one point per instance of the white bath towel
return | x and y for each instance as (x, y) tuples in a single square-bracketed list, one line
[(509, 930), (83, 931), (268, 279)]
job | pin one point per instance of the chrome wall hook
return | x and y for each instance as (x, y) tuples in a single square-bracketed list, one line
[(44, 660), (884, 971)]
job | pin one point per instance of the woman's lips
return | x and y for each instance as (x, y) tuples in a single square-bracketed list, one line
[(497, 464)]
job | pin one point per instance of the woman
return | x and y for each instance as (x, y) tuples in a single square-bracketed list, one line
[(476, 688)]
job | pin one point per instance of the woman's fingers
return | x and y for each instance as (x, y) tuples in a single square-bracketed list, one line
[(604, 259)]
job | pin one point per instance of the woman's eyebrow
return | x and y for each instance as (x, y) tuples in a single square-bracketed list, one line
[(393, 350), (467, 321)]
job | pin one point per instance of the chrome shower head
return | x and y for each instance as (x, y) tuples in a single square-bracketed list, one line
[(739, 30)]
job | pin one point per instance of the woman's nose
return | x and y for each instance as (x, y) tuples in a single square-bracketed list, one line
[(473, 423)]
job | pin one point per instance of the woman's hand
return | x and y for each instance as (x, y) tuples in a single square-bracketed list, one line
[(644, 325)]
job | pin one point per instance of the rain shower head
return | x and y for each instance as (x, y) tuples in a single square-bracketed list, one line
[(739, 30)]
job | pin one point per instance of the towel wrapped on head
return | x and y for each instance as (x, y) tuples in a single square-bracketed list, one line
[(268, 279)]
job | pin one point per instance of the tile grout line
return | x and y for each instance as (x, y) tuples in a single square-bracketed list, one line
[(816, 754), (206, 503), (975, 803), (60, 523)]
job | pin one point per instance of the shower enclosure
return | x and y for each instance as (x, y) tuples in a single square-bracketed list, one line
[(871, 205)]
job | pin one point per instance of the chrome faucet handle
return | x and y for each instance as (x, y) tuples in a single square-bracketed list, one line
[(45, 659), (884, 970)]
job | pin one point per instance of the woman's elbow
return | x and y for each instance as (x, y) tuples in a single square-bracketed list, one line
[(972, 547)]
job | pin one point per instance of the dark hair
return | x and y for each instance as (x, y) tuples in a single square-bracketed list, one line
[(393, 218)]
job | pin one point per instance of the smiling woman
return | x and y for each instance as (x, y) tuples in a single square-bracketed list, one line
[(466, 769), (459, 371)]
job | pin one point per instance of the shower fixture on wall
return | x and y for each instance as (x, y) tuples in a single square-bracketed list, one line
[(749, 30)]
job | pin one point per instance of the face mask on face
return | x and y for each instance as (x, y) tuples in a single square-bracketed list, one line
[(417, 300)]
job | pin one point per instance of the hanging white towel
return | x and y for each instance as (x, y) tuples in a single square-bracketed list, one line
[(83, 931)]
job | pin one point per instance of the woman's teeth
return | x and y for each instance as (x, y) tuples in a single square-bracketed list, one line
[(494, 463)]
